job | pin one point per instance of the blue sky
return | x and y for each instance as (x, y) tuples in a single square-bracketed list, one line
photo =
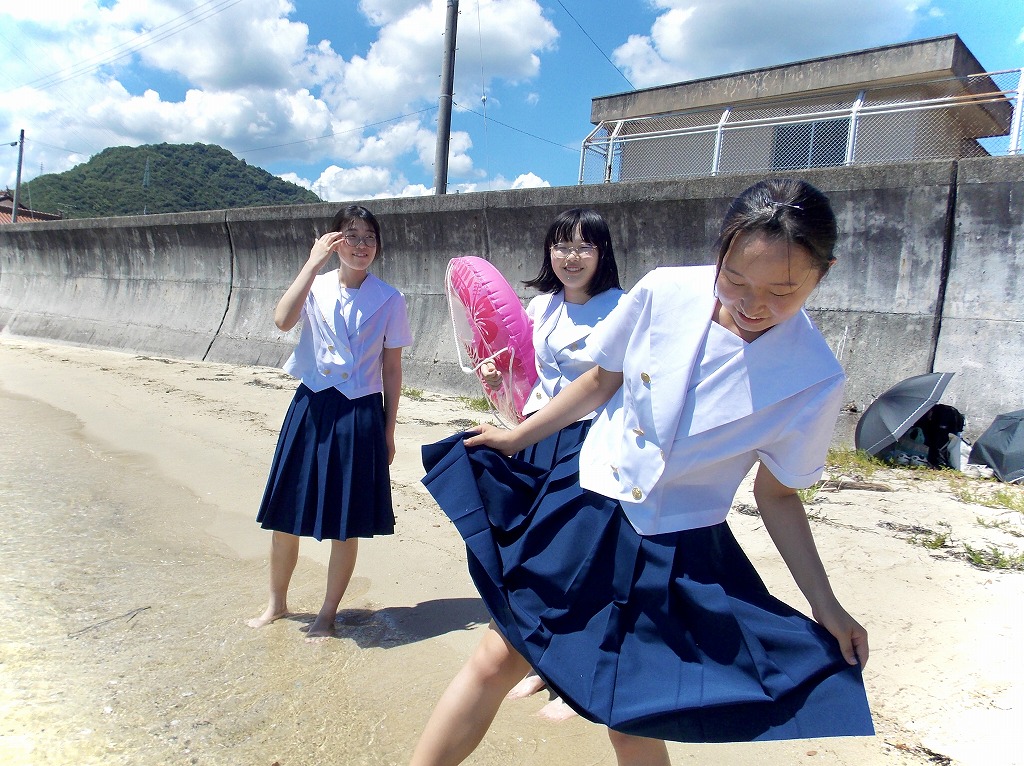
[(342, 97)]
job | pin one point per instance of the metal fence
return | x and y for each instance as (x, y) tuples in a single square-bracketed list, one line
[(949, 118)]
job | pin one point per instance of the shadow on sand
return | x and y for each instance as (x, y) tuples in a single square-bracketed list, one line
[(401, 625)]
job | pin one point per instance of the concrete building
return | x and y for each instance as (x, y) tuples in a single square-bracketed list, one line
[(927, 99)]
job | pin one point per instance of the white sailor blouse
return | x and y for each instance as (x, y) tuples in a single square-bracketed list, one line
[(344, 334), (560, 333), (699, 406)]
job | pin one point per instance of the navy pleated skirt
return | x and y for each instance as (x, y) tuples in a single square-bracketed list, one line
[(547, 452), (670, 636), (330, 478)]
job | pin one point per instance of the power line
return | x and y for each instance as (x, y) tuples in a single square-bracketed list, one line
[(584, 31), (170, 28), (58, 148), (337, 133), (573, 149)]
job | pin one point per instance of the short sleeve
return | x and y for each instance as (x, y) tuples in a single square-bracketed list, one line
[(397, 332), (797, 456), (611, 336)]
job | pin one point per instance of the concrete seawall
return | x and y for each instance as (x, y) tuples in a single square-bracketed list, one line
[(929, 273)]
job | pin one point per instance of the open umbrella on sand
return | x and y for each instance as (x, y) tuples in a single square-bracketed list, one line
[(1001, 447), (893, 413)]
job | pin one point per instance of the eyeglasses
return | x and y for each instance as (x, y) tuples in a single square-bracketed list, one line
[(370, 240), (563, 250)]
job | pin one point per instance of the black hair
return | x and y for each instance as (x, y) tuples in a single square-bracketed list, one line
[(352, 213), (593, 229), (785, 209)]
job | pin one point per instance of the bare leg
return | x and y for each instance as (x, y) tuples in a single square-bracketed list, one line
[(469, 704), (339, 573), (284, 552), (638, 751)]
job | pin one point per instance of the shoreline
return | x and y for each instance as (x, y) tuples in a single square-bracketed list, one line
[(130, 493)]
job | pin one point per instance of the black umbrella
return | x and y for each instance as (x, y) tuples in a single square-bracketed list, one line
[(1001, 447), (893, 413)]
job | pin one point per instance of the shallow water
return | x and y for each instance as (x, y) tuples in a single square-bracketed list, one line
[(122, 636), (114, 647)]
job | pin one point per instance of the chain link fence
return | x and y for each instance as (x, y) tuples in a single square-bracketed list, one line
[(951, 118)]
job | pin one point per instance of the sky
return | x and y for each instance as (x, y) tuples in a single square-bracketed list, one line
[(342, 97)]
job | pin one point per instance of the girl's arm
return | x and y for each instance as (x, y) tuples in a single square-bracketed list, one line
[(391, 371), (289, 308), (581, 397), (786, 521)]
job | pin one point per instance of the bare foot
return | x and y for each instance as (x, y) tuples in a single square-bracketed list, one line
[(531, 684), (317, 632), (267, 617), (556, 710)]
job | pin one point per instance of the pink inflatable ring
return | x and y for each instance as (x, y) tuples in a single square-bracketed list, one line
[(491, 325)]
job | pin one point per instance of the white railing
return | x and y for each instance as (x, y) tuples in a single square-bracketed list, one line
[(940, 119)]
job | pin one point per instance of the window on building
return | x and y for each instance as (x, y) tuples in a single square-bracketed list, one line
[(820, 144)]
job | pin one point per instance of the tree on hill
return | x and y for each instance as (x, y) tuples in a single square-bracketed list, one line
[(162, 178)]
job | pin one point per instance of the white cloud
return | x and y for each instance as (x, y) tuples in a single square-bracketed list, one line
[(248, 76), (701, 38), (529, 181), (401, 68), (364, 182)]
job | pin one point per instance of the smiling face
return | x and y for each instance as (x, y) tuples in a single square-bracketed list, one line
[(574, 262), (762, 282), (358, 248)]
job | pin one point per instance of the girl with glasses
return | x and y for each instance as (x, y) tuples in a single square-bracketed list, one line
[(330, 477), (615, 574), (579, 284)]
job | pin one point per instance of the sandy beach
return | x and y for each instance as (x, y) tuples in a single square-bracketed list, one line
[(131, 560)]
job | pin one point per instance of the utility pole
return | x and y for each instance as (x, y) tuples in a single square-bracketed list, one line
[(444, 112), (17, 183), (145, 188)]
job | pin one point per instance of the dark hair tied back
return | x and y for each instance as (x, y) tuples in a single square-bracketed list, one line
[(787, 209)]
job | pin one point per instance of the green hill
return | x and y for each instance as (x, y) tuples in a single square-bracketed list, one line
[(180, 178)]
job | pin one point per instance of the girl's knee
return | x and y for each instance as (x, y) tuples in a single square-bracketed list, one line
[(494, 660)]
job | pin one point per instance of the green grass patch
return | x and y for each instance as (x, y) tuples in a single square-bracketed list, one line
[(934, 540), (1006, 498), (809, 494), (994, 558), (412, 393), (852, 462), (476, 403)]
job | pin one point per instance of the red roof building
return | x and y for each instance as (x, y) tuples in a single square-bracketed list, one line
[(24, 214)]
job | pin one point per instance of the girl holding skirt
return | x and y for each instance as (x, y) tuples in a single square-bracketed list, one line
[(614, 574)]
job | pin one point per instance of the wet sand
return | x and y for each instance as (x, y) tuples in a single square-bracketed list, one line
[(130, 562)]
